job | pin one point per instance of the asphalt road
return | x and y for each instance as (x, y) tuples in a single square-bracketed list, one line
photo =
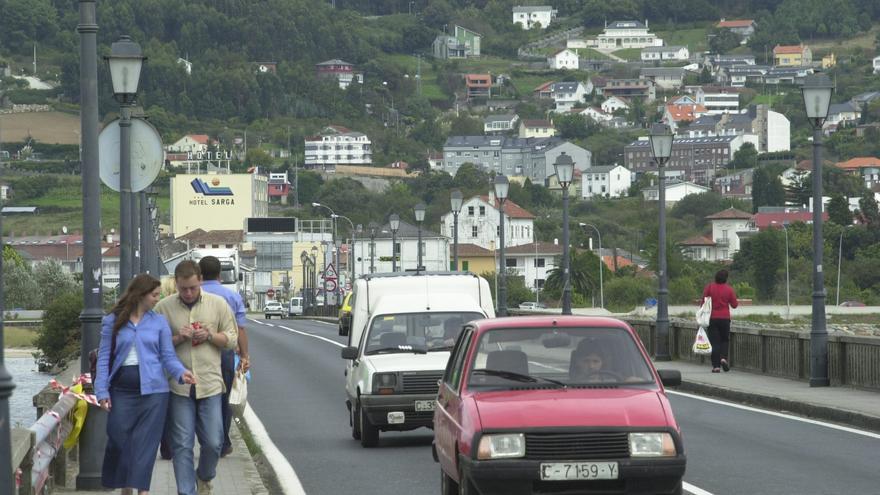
[(297, 392)]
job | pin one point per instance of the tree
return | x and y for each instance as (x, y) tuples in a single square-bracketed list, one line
[(764, 255), (472, 178), (53, 280), (800, 189), (700, 205), (571, 126), (869, 213), (838, 210), (746, 157), (723, 40), (58, 339), (27, 293), (767, 189), (466, 126)]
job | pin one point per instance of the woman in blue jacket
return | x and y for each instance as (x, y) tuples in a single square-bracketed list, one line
[(134, 356)]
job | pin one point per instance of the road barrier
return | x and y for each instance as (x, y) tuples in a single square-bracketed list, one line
[(852, 360)]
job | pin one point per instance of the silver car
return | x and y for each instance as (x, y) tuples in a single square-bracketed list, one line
[(274, 308)]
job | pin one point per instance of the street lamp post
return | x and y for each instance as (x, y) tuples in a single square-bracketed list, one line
[(419, 211), (502, 187), (7, 480), (394, 222), (93, 438), (351, 245), (787, 280), (359, 234), (455, 200), (601, 265), (334, 255), (373, 228), (314, 285), (564, 166), (817, 90), (661, 147), (125, 62)]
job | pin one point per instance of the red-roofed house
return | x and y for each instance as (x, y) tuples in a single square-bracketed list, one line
[(676, 115), (544, 91), (792, 55), (775, 219), (478, 85), (866, 167), (478, 223), (742, 27)]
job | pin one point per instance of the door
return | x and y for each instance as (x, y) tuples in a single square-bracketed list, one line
[(447, 418)]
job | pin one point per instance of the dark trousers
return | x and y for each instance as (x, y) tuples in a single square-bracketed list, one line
[(719, 337), (227, 369)]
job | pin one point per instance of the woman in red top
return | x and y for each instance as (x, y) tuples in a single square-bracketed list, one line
[(723, 298)]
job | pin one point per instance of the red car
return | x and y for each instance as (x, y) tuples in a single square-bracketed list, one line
[(555, 404)]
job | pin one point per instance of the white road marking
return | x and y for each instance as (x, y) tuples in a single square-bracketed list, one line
[(779, 415), (325, 339), (268, 324), (695, 490), (324, 322), (287, 477)]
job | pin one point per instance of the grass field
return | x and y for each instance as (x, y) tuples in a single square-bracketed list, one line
[(45, 127), (19, 336), (631, 54), (865, 40), (694, 39)]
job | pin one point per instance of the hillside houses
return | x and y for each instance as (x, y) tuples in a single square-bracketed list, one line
[(462, 43), (530, 17), (512, 156)]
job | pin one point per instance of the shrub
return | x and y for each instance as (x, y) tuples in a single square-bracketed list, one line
[(59, 337)]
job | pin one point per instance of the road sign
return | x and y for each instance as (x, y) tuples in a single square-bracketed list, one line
[(146, 154), (330, 285), (330, 272), (270, 293)]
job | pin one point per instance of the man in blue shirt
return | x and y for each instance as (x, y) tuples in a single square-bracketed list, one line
[(210, 267)]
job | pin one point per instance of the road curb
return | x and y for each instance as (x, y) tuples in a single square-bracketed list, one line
[(842, 416)]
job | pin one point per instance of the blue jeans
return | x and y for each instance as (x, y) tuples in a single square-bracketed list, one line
[(189, 418)]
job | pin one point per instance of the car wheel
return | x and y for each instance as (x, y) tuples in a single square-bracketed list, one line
[(465, 486), (447, 486), (355, 423), (369, 432)]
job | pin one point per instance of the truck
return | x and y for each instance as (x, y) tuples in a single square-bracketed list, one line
[(400, 334), (230, 270)]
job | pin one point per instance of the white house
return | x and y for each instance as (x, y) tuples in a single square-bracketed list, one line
[(478, 223), (841, 114), (435, 250), (724, 241), (627, 34), (595, 114), (568, 94), (662, 53), (187, 65), (532, 261), (563, 59), (494, 124), (337, 145), (675, 191), (877, 64), (191, 143), (535, 16), (536, 129), (613, 104), (608, 181)]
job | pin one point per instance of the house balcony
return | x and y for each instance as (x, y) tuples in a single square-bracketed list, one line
[(722, 242)]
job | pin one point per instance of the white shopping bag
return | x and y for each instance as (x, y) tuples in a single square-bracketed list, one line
[(705, 312), (701, 343), (238, 394)]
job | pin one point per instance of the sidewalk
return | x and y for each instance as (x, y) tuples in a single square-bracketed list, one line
[(236, 474), (845, 405)]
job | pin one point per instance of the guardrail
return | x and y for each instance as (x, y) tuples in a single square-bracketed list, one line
[(852, 360), (38, 456)]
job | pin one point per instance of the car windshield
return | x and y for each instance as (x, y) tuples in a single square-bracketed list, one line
[(514, 358), (416, 332)]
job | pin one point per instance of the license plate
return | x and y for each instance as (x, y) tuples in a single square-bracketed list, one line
[(558, 471), (424, 405)]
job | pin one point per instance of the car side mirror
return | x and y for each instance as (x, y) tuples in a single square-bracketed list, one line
[(345, 325), (670, 378), (349, 353)]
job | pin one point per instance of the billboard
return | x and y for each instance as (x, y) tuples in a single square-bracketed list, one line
[(216, 201)]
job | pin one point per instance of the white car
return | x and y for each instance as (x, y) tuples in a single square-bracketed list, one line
[(532, 305), (274, 308)]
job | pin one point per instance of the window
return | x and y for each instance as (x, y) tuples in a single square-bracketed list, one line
[(510, 262), (539, 262), (452, 377), (482, 211), (474, 231), (470, 211), (465, 265)]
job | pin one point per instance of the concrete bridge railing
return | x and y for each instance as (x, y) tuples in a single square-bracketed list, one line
[(852, 360)]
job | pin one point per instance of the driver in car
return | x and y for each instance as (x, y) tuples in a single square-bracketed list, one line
[(451, 328), (591, 364)]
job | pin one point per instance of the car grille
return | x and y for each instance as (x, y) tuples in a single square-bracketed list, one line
[(577, 446), (422, 383)]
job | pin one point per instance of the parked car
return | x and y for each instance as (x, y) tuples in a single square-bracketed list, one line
[(554, 404), (274, 308), (532, 305), (345, 313), (295, 308), (853, 304)]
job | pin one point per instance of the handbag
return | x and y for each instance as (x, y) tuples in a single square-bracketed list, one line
[(704, 314), (701, 343), (238, 394)]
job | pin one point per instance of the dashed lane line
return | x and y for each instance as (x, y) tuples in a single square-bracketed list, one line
[(694, 490)]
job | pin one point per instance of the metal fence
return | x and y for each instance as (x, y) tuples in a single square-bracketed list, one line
[(852, 360)]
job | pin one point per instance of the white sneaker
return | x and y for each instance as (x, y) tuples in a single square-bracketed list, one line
[(205, 487)]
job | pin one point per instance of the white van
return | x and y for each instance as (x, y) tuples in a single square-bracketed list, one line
[(296, 306), (401, 332)]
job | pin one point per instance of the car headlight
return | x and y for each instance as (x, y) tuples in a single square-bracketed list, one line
[(502, 446), (384, 383), (651, 445)]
